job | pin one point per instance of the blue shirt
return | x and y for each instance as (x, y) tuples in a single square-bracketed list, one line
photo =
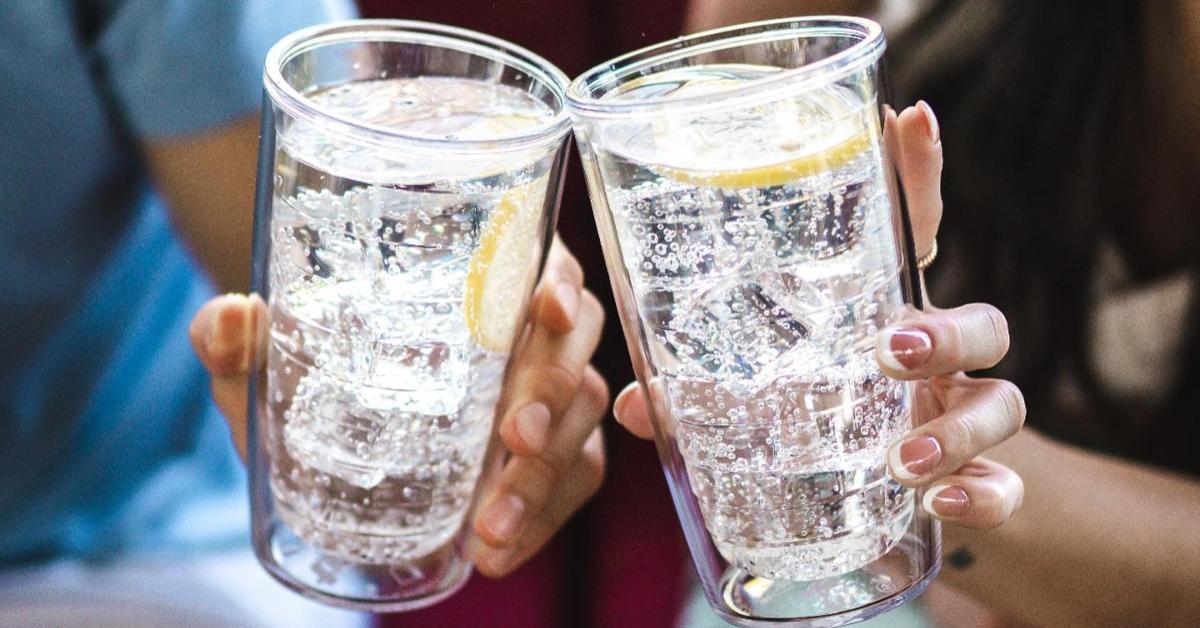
[(108, 440)]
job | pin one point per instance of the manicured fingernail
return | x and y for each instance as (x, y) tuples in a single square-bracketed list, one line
[(533, 423), (568, 298), (904, 348), (943, 500), (215, 342), (931, 123), (503, 517), (623, 400), (914, 457)]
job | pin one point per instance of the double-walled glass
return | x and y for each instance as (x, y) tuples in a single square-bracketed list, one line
[(408, 187), (756, 241)]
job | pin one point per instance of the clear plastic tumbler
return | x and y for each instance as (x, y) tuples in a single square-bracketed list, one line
[(408, 186), (756, 241)]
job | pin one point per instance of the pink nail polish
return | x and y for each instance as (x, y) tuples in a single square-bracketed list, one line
[(904, 348), (943, 500), (931, 122), (533, 423), (504, 516), (914, 457)]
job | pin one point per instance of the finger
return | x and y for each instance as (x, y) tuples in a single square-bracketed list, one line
[(631, 411), (229, 335), (556, 302), (938, 342), (981, 495), (587, 475), (920, 160), (528, 483), (545, 376), (221, 332), (980, 414)]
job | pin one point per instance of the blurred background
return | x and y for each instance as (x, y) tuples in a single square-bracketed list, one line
[(622, 560)]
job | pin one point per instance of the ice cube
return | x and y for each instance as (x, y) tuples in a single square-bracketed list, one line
[(325, 430), (738, 330), (817, 226)]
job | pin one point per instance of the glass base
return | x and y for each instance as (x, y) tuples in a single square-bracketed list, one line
[(332, 580), (879, 586)]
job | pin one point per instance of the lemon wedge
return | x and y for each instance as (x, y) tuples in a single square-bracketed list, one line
[(500, 270), (835, 156)]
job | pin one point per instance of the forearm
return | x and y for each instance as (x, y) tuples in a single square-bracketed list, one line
[(208, 183), (1098, 542), (706, 14)]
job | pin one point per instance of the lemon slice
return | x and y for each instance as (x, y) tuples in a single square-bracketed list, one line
[(494, 126), (502, 266), (835, 156)]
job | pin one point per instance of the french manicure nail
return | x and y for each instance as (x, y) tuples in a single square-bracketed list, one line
[(944, 500), (914, 457), (503, 516), (215, 342), (568, 297), (904, 348), (532, 423), (210, 339), (931, 122)]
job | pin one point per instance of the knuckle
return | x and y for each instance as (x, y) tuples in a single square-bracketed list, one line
[(997, 326), (566, 267), (592, 307), (960, 436), (595, 389), (952, 342), (1012, 405), (537, 480), (555, 382), (595, 468)]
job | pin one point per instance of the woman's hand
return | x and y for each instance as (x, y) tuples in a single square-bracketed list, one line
[(959, 417), (549, 412)]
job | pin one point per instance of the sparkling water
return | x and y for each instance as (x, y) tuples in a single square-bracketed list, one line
[(760, 247), (380, 393)]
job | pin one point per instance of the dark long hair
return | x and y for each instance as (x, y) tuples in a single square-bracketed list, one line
[(1038, 110)]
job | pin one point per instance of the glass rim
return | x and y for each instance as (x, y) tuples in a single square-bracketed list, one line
[(291, 100), (866, 50)]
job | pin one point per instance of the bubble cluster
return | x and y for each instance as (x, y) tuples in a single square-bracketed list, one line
[(379, 402), (759, 297)]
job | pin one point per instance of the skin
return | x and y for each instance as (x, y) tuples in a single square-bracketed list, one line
[(1099, 541), (557, 458), (555, 465), (214, 220), (1070, 559)]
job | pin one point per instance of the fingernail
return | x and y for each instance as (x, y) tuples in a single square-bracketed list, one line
[(904, 348), (622, 399), (503, 517), (532, 422), (943, 500), (214, 325), (914, 457), (568, 297), (931, 123)]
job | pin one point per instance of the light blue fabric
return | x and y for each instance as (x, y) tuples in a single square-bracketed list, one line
[(108, 440)]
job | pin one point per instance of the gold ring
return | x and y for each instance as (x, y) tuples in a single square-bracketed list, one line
[(926, 260)]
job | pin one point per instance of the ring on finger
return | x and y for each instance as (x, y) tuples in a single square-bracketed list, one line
[(926, 260)]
